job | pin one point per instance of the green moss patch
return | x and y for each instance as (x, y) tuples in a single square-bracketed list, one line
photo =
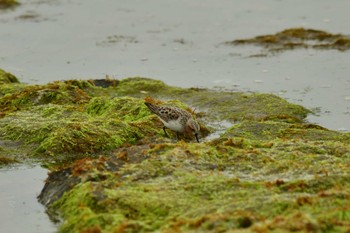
[(217, 106), (62, 93), (73, 118), (195, 187), (270, 130), (6, 77), (59, 130)]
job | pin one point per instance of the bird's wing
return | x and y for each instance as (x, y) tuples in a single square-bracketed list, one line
[(167, 113)]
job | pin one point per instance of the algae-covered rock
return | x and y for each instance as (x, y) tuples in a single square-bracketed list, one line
[(268, 170), (61, 130), (8, 84), (6, 77), (4, 159), (61, 93), (198, 187), (270, 130), (232, 106), (74, 118)]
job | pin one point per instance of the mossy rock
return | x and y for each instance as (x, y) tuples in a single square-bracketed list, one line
[(6, 77), (270, 170), (270, 130), (62, 130), (74, 118), (140, 86), (62, 93), (217, 106), (4, 159), (205, 187)]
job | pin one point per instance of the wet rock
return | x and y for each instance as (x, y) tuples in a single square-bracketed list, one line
[(105, 82)]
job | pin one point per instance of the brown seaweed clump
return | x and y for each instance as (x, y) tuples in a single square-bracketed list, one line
[(297, 38), (4, 4), (6, 77)]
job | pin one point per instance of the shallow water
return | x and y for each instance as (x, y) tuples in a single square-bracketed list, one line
[(179, 42), (19, 209)]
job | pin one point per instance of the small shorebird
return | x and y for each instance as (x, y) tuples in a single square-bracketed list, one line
[(175, 119)]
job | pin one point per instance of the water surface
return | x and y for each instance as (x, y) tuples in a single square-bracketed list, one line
[(19, 209)]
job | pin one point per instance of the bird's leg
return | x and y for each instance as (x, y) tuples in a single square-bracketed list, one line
[(177, 136), (196, 135), (165, 131)]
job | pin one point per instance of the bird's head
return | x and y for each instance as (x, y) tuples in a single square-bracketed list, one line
[(192, 127)]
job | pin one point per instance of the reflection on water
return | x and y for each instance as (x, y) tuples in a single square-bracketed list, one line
[(19, 209)]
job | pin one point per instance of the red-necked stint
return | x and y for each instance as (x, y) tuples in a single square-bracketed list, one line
[(175, 119)]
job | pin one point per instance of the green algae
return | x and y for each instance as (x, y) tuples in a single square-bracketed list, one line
[(77, 117), (5, 159), (126, 108), (259, 183), (64, 119), (62, 93), (6, 77), (270, 130), (286, 185), (190, 187), (59, 130), (140, 86), (232, 106)]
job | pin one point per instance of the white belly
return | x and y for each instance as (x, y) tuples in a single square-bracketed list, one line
[(174, 125)]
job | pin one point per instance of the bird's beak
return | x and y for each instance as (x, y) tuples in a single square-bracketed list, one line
[(196, 135)]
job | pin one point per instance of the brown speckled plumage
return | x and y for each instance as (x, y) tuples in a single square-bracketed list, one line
[(175, 119)]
